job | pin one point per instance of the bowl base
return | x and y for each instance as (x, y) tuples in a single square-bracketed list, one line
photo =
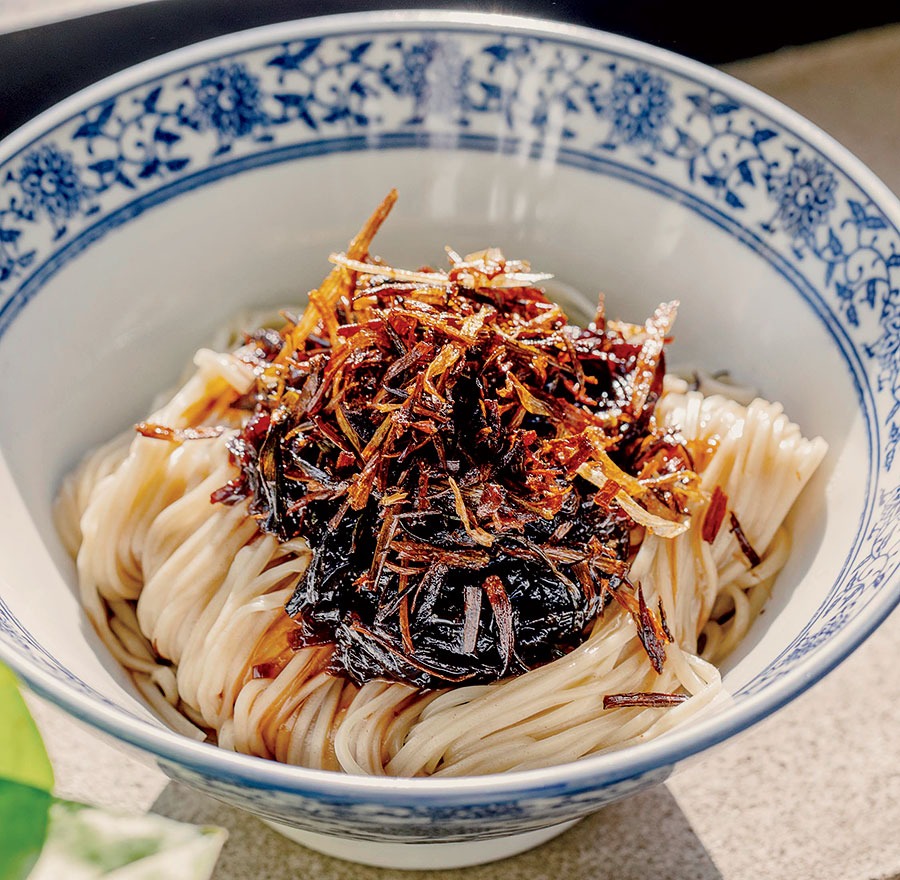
[(421, 856)]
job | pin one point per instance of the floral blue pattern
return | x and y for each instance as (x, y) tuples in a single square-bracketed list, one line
[(566, 99), (639, 105), (228, 101), (805, 196), (410, 79), (51, 183), (416, 820), (49, 189)]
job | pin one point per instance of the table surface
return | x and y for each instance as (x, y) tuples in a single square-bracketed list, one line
[(813, 791)]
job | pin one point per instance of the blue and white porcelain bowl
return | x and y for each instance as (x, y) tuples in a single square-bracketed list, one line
[(141, 213)]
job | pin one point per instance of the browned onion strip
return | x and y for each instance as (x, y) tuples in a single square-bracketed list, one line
[(331, 289), (650, 629), (178, 435), (499, 601), (376, 270), (656, 525), (479, 535), (531, 403), (643, 701), (657, 328), (651, 633), (405, 632), (746, 546), (715, 514), (472, 606)]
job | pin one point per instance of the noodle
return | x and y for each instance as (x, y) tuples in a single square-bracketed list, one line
[(165, 574)]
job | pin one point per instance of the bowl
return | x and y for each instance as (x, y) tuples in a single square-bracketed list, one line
[(143, 212)]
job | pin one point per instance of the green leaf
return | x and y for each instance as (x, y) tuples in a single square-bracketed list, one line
[(25, 782), (23, 758), (23, 827), (42, 838), (96, 844)]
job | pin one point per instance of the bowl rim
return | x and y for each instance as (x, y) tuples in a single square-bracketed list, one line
[(588, 773)]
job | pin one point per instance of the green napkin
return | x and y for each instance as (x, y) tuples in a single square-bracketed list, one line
[(44, 838)]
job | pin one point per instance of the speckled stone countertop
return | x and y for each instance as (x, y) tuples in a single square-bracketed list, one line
[(813, 791)]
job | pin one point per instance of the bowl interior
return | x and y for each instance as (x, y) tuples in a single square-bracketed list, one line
[(112, 307)]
